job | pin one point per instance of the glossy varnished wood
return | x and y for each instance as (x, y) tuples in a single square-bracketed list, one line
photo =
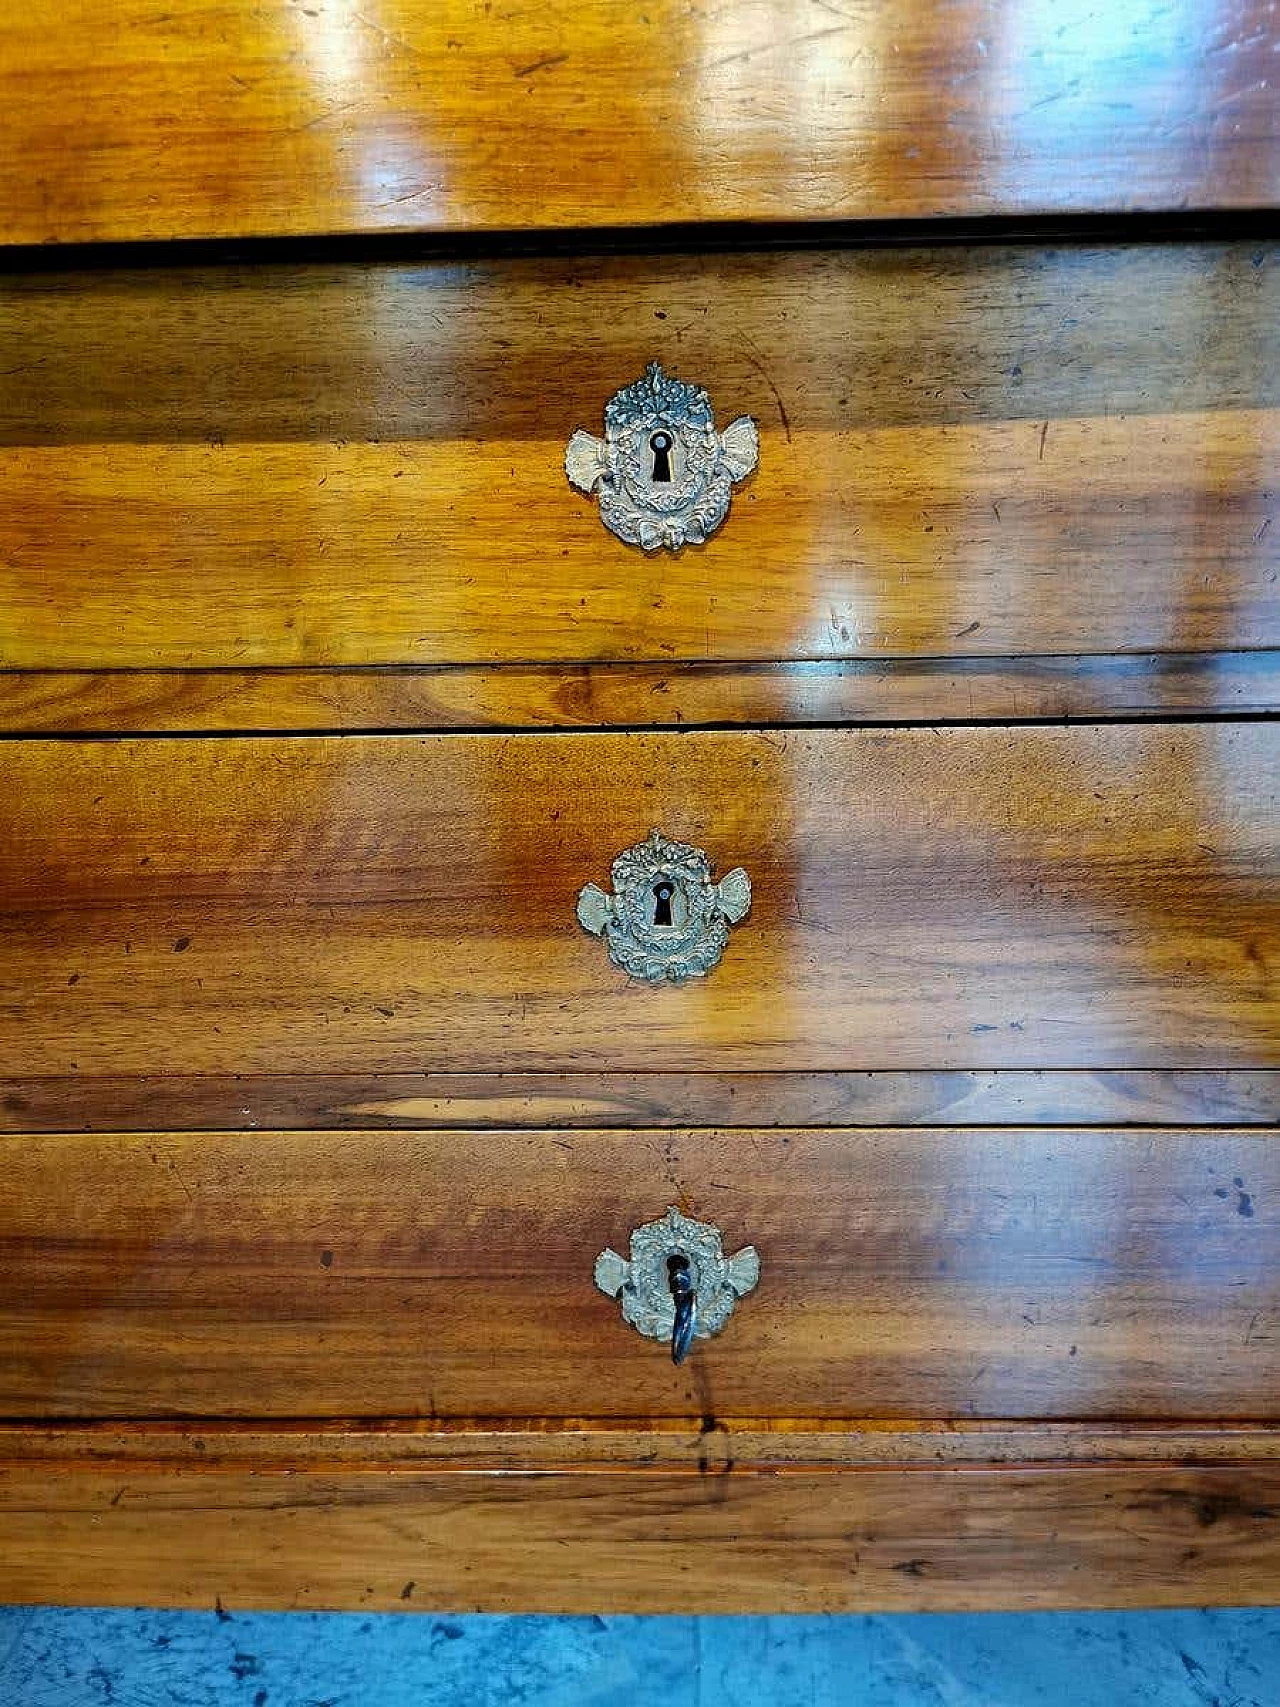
[(985, 453), (366, 1366), (907, 1272), (709, 1445), (1010, 1097), (1091, 896), (275, 118), (786, 1541), (690, 695)]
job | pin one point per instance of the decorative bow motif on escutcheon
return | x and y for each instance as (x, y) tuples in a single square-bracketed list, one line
[(663, 473), (679, 1285), (666, 919)]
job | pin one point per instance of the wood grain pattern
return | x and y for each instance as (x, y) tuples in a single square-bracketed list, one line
[(988, 452), (643, 1542), (1009, 1097), (915, 1272), (965, 690), (1089, 897), (713, 1446), (245, 117)]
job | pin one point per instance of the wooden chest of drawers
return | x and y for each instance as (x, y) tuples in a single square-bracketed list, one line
[(325, 695)]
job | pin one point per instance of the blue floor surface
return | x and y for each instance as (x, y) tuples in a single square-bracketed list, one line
[(74, 1658)]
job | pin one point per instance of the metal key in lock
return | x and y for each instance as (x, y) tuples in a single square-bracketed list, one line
[(680, 1278), (678, 1285)]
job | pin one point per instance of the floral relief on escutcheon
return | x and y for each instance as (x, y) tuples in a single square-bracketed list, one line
[(662, 472), (666, 919), (642, 1285)]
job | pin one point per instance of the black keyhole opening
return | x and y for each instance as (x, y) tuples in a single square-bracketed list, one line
[(660, 445), (662, 893)]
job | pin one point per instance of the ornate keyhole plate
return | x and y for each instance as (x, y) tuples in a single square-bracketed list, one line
[(666, 919), (663, 473), (643, 1285)]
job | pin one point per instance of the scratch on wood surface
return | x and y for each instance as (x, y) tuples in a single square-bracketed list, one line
[(758, 364), (778, 47), (389, 38), (542, 64)]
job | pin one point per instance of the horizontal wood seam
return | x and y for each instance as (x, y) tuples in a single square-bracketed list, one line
[(674, 1423), (544, 1472), (905, 663), (1135, 1128), (986, 1100), (678, 237), (507, 731)]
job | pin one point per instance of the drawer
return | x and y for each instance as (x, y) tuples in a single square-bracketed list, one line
[(927, 1273), (1083, 897), (966, 454), (247, 118), (325, 1525)]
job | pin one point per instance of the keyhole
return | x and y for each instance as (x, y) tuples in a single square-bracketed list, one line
[(660, 445), (662, 893)]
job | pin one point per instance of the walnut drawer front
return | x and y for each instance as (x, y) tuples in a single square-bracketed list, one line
[(320, 1520), (927, 1273), (968, 454), (1084, 897), (250, 117)]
